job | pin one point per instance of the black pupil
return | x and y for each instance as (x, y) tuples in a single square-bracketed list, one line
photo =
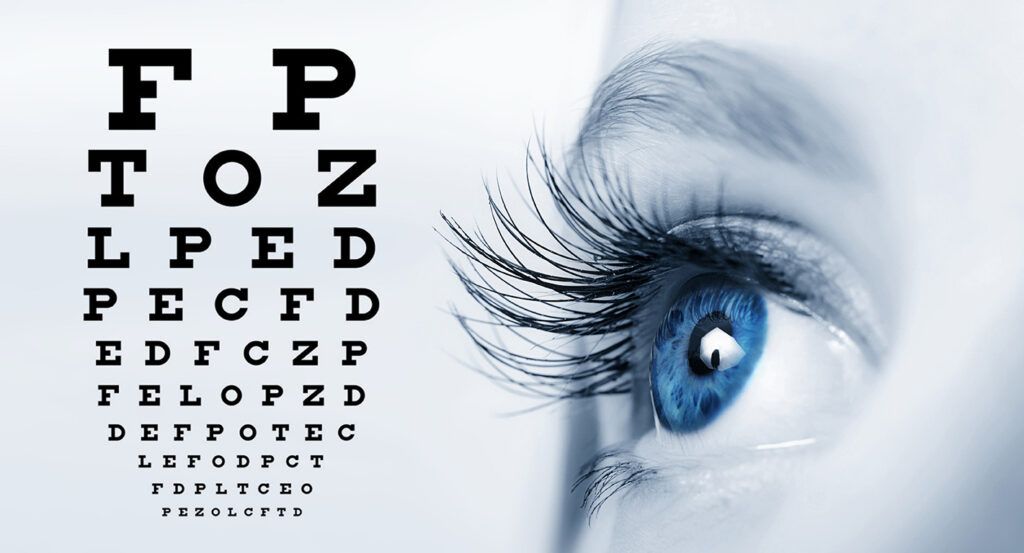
[(707, 323)]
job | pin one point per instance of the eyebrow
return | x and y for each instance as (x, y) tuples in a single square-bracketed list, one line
[(708, 91)]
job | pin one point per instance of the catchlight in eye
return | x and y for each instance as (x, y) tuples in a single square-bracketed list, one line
[(707, 347)]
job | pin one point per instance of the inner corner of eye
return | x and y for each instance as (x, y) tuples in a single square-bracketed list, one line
[(709, 343)]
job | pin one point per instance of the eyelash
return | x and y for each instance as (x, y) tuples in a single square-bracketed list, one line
[(588, 282), (592, 278), (610, 472)]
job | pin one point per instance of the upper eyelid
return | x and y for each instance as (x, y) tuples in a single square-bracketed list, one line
[(617, 248), (817, 277), (611, 256), (711, 93)]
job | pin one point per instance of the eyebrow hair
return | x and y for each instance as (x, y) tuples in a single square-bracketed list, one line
[(709, 91)]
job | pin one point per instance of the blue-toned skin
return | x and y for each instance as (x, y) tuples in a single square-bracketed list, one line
[(684, 399)]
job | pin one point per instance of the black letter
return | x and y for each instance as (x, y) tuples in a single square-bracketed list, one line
[(290, 304), (235, 390), (99, 259), (117, 160), (160, 304), (105, 392), (149, 432), (109, 350), (353, 349), (134, 89), (152, 359), (262, 345), (150, 395), (355, 394), (252, 185), (361, 160), (313, 398), (304, 358), (346, 261), (203, 349), (295, 62), (356, 315), (240, 293), (266, 247), (271, 392), (187, 400), (95, 304), (181, 261)]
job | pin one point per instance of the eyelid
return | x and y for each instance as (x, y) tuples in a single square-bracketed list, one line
[(647, 462), (784, 258)]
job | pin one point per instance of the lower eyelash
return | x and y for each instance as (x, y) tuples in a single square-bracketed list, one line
[(588, 280), (608, 474)]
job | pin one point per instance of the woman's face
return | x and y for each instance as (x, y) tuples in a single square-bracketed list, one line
[(902, 124), (783, 280)]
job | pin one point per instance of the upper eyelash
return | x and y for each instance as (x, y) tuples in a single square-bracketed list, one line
[(598, 274), (592, 278)]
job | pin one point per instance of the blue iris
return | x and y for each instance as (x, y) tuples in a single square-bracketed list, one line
[(688, 393)]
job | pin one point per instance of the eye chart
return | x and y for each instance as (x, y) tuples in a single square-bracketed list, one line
[(219, 422)]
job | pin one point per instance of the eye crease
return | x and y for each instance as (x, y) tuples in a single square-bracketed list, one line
[(788, 260)]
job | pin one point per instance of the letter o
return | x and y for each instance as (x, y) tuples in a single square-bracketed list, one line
[(247, 432), (252, 185)]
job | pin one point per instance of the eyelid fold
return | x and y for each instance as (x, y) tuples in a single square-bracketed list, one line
[(790, 261)]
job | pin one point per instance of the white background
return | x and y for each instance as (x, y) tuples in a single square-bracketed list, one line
[(446, 95)]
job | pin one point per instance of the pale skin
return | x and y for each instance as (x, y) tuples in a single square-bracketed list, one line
[(930, 95)]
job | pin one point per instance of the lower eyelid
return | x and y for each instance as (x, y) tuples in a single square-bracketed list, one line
[(703, 477), (696, 467)]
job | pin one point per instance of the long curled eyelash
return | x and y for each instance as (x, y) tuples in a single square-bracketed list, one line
[(586, 278), (609, 473), (591, 276)]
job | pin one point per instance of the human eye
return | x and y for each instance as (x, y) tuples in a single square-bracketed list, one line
[(708, 345), (656, 267), (775, 341)]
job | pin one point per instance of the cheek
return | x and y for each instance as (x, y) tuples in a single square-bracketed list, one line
[(715, 504)]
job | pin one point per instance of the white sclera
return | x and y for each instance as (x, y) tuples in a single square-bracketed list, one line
[(803, 389), (804, 384), (729, 352)]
